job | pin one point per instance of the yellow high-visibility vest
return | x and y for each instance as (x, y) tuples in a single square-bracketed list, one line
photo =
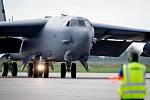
[(133, 82)]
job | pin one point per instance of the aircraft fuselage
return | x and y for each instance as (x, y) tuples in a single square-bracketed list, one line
[(59, 42)]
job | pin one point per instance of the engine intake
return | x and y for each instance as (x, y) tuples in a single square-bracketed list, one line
[(146, 50)]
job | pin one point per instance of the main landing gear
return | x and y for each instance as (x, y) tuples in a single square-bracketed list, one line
[(9, 66), (38, 70), (68, 67)]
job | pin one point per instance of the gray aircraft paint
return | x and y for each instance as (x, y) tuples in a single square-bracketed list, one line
[(55, 39), (2, 11)]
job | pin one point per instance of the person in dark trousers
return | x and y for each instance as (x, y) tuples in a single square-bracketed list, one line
[(132, 86)]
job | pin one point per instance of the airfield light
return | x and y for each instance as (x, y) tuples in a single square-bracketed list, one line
[(40, 67)]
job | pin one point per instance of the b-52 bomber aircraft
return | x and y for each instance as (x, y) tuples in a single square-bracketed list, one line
[(66, 39)]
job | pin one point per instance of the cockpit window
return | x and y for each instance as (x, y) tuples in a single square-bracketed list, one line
[(73, 23), (68, 24), (82, 23), (87, 23)]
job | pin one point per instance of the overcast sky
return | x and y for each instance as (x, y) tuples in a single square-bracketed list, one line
[(131, 13)]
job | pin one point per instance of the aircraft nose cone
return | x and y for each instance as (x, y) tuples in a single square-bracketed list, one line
[(86, 41), (83, 43)]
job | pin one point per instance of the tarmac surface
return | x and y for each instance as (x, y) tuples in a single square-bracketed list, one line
[(87, 86)]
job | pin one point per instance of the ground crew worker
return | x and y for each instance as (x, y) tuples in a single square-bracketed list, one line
[(132, 86)]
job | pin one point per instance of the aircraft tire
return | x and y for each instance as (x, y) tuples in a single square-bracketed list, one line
[(63, 70), (35, 72), (73, 70), (40, 73), (5, 69), (30, 69), (46, 71), (14, 69)]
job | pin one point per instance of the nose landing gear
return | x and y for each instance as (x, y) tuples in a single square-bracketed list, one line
[(30, 70), (38, 68), (46, 71)]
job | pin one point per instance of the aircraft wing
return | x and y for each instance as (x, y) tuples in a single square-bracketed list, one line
[(14, 29), (109, 48), (113, 40), (23, 28), (103, 31)]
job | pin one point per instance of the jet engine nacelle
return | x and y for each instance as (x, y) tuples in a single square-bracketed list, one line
[(146, 49)]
